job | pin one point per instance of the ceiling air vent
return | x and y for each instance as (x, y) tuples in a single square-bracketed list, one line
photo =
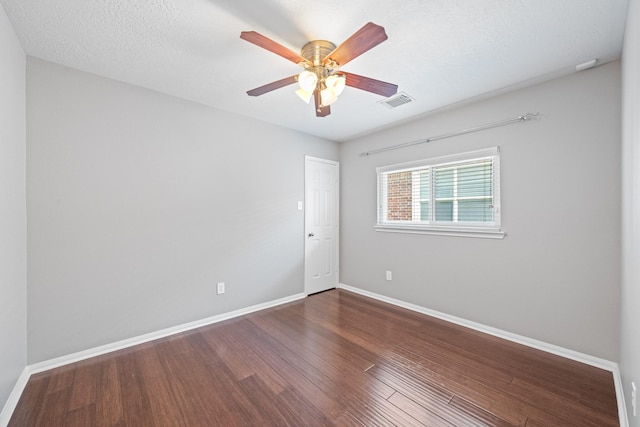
[(397, 100)]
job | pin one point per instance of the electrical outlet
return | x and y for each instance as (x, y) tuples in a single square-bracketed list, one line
[(220, 288), (634, 396), (389, 275)]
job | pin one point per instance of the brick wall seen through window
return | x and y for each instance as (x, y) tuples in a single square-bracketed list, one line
[(399, 196)]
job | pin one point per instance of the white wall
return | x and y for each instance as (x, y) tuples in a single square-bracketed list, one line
[(13, 251), (630, 324), (138, 203), (556, 276)]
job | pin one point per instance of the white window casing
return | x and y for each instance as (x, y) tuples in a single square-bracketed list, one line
[(456, 195)]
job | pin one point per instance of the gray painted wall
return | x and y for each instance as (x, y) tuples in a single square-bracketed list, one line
[(13, 215), (138, 203), (556, 276), (630, 323)]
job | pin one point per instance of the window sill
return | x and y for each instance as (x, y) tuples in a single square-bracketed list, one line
[(482, 233)]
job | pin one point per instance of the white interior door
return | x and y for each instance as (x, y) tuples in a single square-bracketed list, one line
[(321, 218)]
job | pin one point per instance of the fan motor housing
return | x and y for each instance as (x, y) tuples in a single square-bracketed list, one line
[(316, 50)]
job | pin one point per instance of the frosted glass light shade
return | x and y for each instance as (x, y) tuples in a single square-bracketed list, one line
[(307, 81), (327, 97), (336, 84), (304, 95)]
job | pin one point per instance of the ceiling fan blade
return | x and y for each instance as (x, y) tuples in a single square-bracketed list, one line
[(370, 85), (364, 39), (272, 86), (321, 110), (268, 44)]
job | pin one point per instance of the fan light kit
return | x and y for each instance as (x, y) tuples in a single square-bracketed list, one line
[(321, 60)]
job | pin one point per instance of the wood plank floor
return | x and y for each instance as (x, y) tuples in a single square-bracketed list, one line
[(334, 358)]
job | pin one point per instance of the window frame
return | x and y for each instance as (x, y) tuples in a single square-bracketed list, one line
[(491, 230)]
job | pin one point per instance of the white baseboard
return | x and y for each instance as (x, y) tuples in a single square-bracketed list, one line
[(529, 342), (118, 345), (14, 397), (622, 406)]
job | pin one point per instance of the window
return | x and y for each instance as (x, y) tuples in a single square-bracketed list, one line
[(456, 195)]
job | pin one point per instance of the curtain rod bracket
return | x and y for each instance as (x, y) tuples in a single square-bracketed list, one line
[(529, 116)]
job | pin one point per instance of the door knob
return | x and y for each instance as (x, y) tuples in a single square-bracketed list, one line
[(311, 234)]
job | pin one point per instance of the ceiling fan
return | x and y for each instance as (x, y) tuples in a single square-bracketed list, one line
[(322, 78)]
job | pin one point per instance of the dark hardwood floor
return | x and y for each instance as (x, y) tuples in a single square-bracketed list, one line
[(335, 358)]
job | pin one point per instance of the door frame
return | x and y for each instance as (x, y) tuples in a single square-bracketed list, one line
[(308, 159)]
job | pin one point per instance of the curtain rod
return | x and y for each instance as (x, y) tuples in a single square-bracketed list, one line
[(523, 118)]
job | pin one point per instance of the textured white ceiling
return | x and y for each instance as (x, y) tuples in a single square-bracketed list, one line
[(440, 52)]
